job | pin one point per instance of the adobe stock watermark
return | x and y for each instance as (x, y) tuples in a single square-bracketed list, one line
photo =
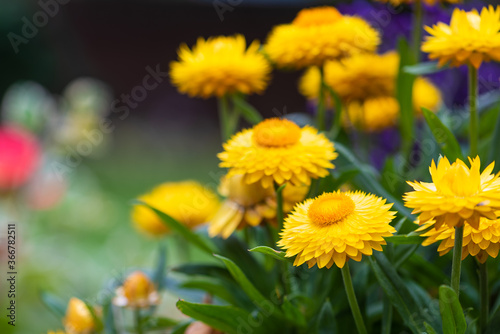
[(31, 27), (223, 6), (95, 137)]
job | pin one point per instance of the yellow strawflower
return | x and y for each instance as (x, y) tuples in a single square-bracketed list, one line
[(137, 292), (278, 151), (319, 34), (373, 114), (470, 38), (335, 227), (425, 95), (249, 205), (457, 194), (480, 242), (78, 319), (219, 66), (355, 78), (188, 202)]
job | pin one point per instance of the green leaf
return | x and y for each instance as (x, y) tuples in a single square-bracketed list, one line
[(236, 250), (54, 304), (251, 291), (424, 68), (246, 110), (396, 291), (161, 266), (405, 239), (173, 224), (218, 289), (227, 319), (278, 255), (293, 314), (451, 311), (326, 323), (445, 139)]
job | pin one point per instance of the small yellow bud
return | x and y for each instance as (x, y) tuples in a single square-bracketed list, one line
[(137, 291), (78, 319)]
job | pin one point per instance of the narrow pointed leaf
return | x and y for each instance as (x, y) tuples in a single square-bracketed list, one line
[(424, 68), (278, 255), (444, 137), (227, 319), (326, 323), (247, 286), (189, 235), (53, 303), (451, 311)]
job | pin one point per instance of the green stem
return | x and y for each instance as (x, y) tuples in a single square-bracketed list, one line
[(279, 206), (351, 297), (138, 320), (321, 108), (483, 295), (228, 118), (457, 259), (418, 18), (474, 119)]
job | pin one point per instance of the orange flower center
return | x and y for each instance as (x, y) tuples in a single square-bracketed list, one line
[(275, 132), (316, 16), (330, 208)]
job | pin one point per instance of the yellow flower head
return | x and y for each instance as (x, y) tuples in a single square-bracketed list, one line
[(373, 114), (277, 150), (188, 202), (457, 194), (249, 205), (319, 34), (480, 242), (427, 2), (471, 38), (220, 65), (56, 332), (334, 227), (78, 319), (137, 291), (425, 95), (355, 78)]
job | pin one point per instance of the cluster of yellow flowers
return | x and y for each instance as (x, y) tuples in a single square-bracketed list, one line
[(336, 226), (366, 85)]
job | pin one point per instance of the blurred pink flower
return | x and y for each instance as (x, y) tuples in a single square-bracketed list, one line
[(19, 157)]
